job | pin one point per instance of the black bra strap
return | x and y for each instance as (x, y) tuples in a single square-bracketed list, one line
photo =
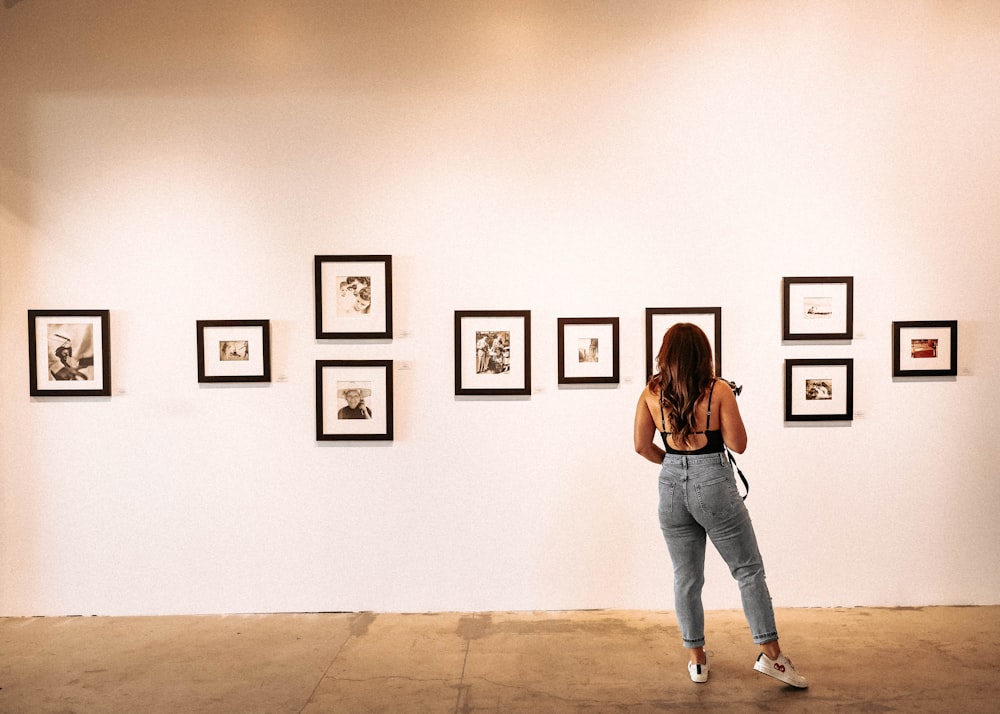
[(708, 416)]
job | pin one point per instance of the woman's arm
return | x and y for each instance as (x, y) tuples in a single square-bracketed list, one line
[(643, 431), (734, 433)]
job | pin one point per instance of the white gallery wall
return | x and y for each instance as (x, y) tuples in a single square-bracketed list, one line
[(181, 161)]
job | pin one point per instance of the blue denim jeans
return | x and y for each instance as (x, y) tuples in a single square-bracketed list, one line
[(698, 497)]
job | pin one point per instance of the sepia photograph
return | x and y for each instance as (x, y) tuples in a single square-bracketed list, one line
[(233, 350), (587, 350), (925, 348), (817, 308), (819, 389), (354, 400), (353, 296), (69, 353), (492, 352)]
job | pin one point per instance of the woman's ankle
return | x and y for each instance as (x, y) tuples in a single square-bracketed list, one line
[(771, 649)]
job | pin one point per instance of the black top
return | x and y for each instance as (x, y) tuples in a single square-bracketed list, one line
[(715, 443)]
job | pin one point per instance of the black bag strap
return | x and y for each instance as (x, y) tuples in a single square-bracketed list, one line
[(743, 478)]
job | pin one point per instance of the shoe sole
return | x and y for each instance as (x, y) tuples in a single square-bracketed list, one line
[(763, 669)]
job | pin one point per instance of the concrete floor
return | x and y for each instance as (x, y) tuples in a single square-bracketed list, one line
[(940, 659)]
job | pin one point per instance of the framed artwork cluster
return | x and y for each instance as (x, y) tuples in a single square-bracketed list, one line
[(818, 308), (354, 398), (822, 308), (69, 351)]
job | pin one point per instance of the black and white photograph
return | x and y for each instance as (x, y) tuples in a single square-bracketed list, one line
[(353, 296), (661, 319), (588, 350), (819, 389), (925, 348), (69, 353), (817, 308), (354, 400), (492, 352), (234, 350)]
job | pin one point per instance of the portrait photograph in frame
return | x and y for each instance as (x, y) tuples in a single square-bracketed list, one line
[(492, 352), (588, 350), (817, 308), (353, 297), (819, 389), (69, 353), (925, 348), (234, 351), (661, 319), (354, 400)]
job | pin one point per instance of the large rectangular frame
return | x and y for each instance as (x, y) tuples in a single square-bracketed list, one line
[(819, 389), (925, 348), (368, 420), (69, 353), (661, 319), (234, 351), (588, 350), (353, 296), (817, 308), (492, 352)]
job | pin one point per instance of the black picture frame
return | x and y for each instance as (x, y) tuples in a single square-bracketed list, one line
[(925, 348), (661, 319), (370, 418), (819, 389), (353, 296), (492, 352), (69, 353), (817, 308), (234, 351), (596, 361)]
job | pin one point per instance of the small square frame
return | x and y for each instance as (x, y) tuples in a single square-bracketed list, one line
[(661, 319), (336, 418), (234, 351), (819, 389), (817, 308), (925, 348), (588, 350), (492, 352), (69, 353), (353, 296)]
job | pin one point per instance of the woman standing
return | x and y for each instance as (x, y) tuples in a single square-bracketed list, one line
[(697, 417)]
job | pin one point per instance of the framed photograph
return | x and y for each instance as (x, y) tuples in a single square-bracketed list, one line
[(588, 350), (819, 389), (925, 348), (492, 352), (353, 296), (234, 351), (661, 319), (817, 308), (69, 353), (354, 400)]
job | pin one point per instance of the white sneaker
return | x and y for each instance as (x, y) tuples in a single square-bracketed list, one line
[(698, 672), (781, 669)]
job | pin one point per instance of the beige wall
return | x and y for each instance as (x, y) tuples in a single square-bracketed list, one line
[(186, 160)]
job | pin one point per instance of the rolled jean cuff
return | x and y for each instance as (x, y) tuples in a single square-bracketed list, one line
[(691, 644), (765, 638)]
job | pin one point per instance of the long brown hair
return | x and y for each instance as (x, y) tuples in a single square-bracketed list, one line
[(685, 371)]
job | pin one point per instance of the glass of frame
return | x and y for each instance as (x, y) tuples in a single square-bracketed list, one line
[(234, 351), (69, 353), (354, 400), (819, 389), (661, 319), (817, 308), (588, 350), (353, 296), (925, 348), (492, 352)]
